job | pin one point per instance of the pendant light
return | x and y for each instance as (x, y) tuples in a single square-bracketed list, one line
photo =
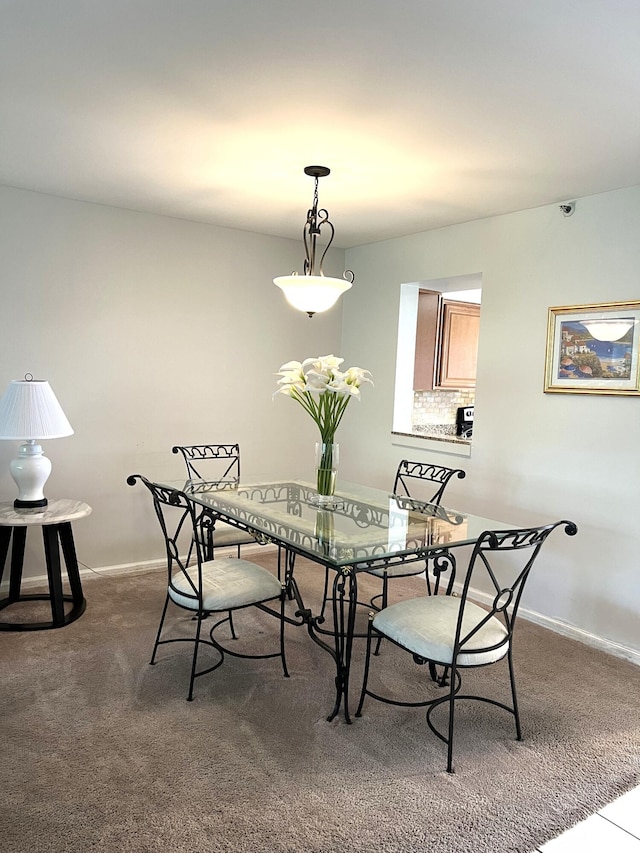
[(314, 291)]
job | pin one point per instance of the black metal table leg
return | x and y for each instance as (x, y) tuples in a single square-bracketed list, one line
[(344, 615)]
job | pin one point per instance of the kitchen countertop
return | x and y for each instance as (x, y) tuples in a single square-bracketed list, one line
[(436, 432)]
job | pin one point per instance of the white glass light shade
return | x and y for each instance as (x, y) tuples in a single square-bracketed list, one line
[(29, 409), (608, 330), (312, 293)]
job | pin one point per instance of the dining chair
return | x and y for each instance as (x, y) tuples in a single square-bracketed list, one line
[(426, 483), (202, 587), (217, 463), (456, 633)]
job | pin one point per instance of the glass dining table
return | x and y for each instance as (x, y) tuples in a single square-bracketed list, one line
[(365, 528)]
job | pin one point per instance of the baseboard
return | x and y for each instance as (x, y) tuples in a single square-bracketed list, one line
[(559, 627), (151, 565), (139, 568), (567, 630)]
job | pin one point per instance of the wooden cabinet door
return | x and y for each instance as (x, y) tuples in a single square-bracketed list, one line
[(425, 366), (459, 349)]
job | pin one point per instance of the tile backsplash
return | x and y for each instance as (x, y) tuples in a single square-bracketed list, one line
[(440, 407)]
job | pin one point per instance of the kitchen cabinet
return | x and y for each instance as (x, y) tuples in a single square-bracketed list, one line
[(427, 330), (459, 345), (447, 335)]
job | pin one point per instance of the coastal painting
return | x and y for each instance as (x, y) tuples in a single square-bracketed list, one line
[(593, 349)]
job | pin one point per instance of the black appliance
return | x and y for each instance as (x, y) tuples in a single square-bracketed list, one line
[(464, 422)]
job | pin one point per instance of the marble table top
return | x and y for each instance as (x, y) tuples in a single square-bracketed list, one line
[(56, 512)]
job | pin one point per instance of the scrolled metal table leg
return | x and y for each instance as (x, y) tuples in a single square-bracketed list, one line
[(344, 614)]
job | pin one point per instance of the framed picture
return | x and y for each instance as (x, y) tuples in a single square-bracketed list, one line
[(593, 349)]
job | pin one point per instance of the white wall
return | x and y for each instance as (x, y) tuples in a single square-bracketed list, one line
[(535, 456), (152, 332), (155, 331)]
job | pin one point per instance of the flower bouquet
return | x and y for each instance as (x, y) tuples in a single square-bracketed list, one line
[(324, 391)]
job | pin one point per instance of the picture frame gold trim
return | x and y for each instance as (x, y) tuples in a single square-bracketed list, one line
[(578, 363)]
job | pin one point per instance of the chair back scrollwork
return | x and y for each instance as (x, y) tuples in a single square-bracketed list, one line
[(211, 462), (433, 480)]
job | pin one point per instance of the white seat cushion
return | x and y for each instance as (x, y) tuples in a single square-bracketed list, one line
[(427, 626), (226, 583)]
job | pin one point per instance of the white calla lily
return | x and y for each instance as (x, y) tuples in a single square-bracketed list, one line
[(322, 389)]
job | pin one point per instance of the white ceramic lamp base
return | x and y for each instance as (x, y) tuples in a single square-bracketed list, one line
[(30, 471)]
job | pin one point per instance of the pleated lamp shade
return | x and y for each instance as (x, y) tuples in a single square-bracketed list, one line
[(29, 409)]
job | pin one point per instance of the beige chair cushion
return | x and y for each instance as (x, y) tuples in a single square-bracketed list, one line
[(226, 583), (427, 626)]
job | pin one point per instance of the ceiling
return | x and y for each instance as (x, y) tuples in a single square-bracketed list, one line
[(428, 112)]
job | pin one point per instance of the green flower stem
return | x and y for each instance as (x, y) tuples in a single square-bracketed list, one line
[(326, 408), (326, 472)]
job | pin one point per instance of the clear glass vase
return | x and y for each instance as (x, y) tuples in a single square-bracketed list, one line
[(324, 528), (327, 458)]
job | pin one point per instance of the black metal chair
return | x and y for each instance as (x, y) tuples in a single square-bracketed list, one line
[(203, 586), (426, 483), (431, 481), (216, 463), (456, 633)]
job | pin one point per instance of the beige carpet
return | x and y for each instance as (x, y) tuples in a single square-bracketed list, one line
[(101, 752)]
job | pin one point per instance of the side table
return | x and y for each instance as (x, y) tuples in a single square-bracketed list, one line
[(55, 520)]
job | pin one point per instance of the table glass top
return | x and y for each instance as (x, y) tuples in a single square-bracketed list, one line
[(366, 525)]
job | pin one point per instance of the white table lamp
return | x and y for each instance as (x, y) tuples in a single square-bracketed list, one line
[(30, 411)]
